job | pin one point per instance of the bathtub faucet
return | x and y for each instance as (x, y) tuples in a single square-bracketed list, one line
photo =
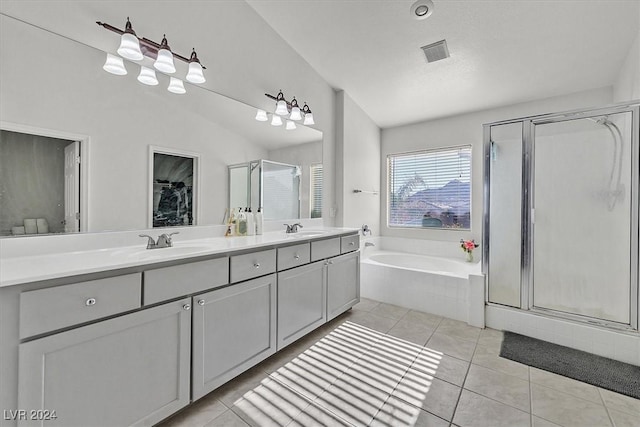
[(369, 244)]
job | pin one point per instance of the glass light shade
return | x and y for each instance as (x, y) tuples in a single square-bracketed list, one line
[(147, 76), (195, 74), (176, 86), (114, 65), (290, 125), (130, 47), (276, 121), (308, 119), (295, 114), (261, 116), (281, 108), (164, 62)]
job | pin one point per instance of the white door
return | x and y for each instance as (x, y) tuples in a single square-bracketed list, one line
[(72, 187)]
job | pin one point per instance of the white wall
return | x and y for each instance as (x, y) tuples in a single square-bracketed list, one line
[(245, 57), (357, 166), (627, 86), (462, 130)]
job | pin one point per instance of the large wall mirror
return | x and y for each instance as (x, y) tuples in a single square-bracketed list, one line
[(120, 118)]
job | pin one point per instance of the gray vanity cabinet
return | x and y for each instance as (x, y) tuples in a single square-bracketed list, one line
[(234, 328), (343, 283), (129, 370), (301, 301)]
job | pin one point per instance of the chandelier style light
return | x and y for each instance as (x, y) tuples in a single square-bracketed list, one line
[(134, 48), (291, 111)]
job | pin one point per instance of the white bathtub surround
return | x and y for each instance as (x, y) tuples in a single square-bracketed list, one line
[(429, 276)]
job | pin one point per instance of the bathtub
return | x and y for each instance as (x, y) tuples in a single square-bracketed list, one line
[(444, 285)]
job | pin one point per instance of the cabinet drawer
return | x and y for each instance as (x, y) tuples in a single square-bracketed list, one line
[(349, 243), (293, 256), (252, 265), (165, 283), (46, 310), (327, 248)]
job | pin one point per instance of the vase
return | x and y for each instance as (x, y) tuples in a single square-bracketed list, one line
[(469, 256)]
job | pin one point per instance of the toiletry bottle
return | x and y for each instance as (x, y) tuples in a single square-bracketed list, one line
[(242, 223), (251, 224), (231, 225), (259, 221)]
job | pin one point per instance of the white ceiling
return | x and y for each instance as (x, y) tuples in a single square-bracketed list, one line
[(502, 51)]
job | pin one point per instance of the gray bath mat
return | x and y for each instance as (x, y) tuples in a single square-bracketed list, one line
[(599, 371)]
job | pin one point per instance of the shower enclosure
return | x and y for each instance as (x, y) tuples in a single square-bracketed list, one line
[(561, 215)]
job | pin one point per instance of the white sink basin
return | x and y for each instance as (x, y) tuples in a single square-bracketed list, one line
[(143, 253), (308, 233)]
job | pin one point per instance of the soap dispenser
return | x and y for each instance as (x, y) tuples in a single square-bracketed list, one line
[(259, 221), (251, 225), (242, 223)]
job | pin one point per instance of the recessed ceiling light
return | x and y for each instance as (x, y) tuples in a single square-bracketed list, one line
[(422, 9)]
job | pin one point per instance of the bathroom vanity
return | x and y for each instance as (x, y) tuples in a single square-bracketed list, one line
[(132, 342)]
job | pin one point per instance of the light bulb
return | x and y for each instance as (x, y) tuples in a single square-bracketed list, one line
[(164, 61), (195, 74), (176, 86), (147, 76), (281, 108), (276, 120), (308, 119), (295, 114), (114, 65), (290, 125), (261, 116)]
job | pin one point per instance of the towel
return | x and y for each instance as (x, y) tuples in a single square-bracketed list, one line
[(30, 226), (43, 225), (16, 231)]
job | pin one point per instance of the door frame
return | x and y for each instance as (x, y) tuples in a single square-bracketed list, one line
[(85, 145)]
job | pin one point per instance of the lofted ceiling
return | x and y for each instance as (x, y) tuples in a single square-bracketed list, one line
[(502, 51)]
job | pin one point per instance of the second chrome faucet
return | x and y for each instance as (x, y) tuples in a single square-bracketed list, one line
[(293, 228), (164, 240)]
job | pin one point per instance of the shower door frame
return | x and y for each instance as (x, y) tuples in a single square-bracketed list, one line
[(527, 194)]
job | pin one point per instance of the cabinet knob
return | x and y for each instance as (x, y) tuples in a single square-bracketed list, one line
[(91, 301), (296, 256), (201, 302), (186, 307), (330, 262), (352, 243), (256, 265)]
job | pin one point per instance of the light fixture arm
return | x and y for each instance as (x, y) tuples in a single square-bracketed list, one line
[(280, 97), (149, 47)]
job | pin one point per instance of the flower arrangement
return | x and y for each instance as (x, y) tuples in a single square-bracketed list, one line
[(468, 246)]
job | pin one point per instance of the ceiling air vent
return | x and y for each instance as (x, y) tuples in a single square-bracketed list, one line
[(436, 51)]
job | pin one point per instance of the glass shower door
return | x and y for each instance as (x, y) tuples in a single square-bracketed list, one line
[(583, 217)]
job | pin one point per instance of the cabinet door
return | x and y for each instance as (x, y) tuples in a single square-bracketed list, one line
[(301, 302), (130, 370), (343, 283), (234, 328)]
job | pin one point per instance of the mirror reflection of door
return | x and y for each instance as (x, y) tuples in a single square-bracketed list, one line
[(173, 188), (39, 184)]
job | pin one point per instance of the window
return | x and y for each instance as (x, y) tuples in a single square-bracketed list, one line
[(316, 191), (430, 189)]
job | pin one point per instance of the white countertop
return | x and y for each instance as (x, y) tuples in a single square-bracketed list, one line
[(24, 269)]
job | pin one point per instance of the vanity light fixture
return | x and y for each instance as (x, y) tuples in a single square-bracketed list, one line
[(261, 116), (291, 109), (147, 76), (114, 65), (135, 49), (129, 44), (276, 120), (176, 86), (164, 59)]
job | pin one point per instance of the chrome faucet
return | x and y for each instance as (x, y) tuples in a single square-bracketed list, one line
[(293, 228), (369, 244), (164, 240)]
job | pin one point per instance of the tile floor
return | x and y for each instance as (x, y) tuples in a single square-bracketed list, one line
[(383, 365)]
